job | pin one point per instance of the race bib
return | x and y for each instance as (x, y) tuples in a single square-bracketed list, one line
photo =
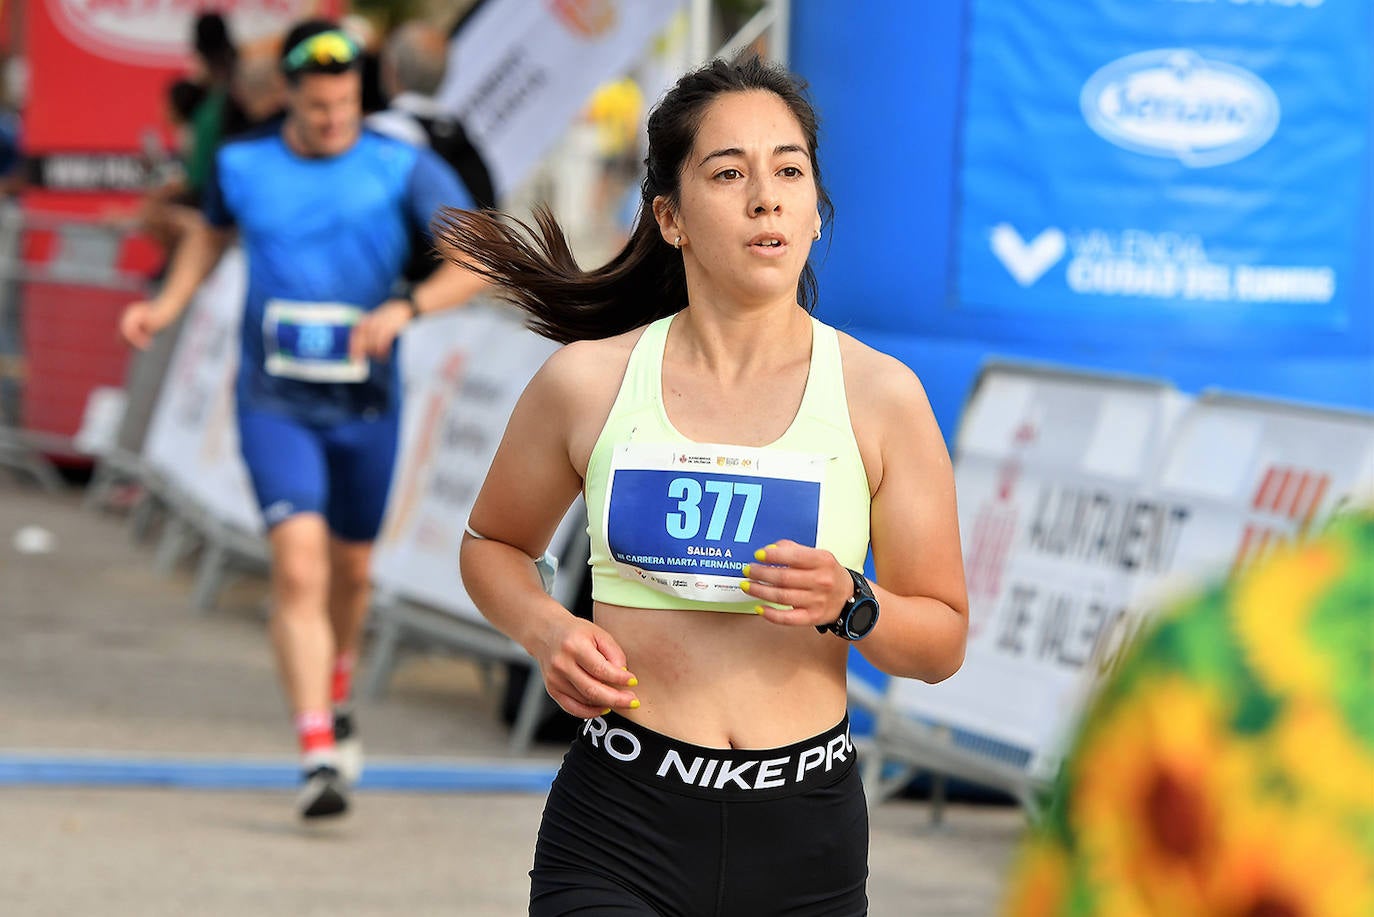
[(309, 341), (685, 521)]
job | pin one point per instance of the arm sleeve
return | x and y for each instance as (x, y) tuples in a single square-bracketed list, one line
[(212, 202), (433, 185)]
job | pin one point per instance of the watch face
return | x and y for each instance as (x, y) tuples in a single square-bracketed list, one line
[(862, 617)]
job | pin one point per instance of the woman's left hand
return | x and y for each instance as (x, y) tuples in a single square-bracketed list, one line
[(809, 580)]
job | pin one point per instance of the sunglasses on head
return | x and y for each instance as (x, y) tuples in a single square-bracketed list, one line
[(323, 49)]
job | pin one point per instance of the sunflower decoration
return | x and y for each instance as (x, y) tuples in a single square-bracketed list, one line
[(1277, 860), (1226, 769), (1041, 875)]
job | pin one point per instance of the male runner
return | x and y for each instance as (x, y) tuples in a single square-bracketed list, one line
[(323, 209)]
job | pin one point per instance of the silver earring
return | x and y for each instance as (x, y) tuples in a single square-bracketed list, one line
[(677, 243), (817, 236)]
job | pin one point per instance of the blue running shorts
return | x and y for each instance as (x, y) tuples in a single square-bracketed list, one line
[(341, 471)]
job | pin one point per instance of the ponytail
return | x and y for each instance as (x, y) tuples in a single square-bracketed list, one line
[(534, 268)]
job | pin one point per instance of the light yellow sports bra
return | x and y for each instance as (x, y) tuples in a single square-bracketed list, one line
[(672, 521)]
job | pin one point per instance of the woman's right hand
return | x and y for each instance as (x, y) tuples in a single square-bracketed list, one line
[(585, 671), (141, 322)]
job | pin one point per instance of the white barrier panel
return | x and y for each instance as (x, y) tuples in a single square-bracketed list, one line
[(192, 439), (464, 371), (1256, 475), (1048, 471), (519, 72), (1086, 503)]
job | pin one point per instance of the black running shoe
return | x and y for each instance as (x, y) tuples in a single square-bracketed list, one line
[(323, 794), (348, 747)]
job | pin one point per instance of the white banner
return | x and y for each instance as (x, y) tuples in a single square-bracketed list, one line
[(520, 71), (193, 438), (1048, 470), (1087, 503), (463, 372), (1257, 475)]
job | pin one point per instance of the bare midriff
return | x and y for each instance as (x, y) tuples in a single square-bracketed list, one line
[(728, 680)]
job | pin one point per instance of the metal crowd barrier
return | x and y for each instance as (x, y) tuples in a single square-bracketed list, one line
[(60, 288)]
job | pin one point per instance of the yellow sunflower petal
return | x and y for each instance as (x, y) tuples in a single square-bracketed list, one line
[(1273, 603), (1280, 860), (1039, 882), (1318, 752)]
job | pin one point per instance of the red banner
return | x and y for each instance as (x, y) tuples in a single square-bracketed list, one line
[(99, 72), (99, 69)]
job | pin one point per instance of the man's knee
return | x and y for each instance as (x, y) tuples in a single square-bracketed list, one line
[(296, 579), (300, 565), (350, 567)]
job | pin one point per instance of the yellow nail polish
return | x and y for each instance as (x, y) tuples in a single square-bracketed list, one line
[(758, 609), (606, 711), (745, 570), (634, 704), (759, 554), (633, 682), (744, 585)]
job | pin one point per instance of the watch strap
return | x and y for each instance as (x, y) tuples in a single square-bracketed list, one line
[(861, 590), (409, 297)]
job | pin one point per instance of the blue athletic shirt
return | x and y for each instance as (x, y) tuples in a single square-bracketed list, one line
[(323, 236)]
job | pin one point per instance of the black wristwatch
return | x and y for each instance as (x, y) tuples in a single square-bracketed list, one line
[(859, 614), (409, 297)]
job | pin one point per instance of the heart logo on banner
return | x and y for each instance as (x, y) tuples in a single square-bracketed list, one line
[(1027, 263)]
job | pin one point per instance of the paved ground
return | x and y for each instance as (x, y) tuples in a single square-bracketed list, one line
[(100, 660)]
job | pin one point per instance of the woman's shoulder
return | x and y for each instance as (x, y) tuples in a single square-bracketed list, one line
[(590, 360), (578, 385), (890, 412), (883, 379), (587, 370)]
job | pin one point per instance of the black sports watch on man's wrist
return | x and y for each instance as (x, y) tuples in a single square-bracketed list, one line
[(859, 614), (408, 296)]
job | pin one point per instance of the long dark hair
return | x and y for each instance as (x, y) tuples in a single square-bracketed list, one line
[(535, 268)]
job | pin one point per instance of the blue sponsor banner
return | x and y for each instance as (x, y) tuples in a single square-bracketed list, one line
[(1190, 158), (690, 522)]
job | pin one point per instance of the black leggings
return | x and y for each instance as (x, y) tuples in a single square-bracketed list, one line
[(688, 839)]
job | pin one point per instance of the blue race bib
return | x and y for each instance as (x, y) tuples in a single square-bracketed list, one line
[(686, 521), (309, 341)]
